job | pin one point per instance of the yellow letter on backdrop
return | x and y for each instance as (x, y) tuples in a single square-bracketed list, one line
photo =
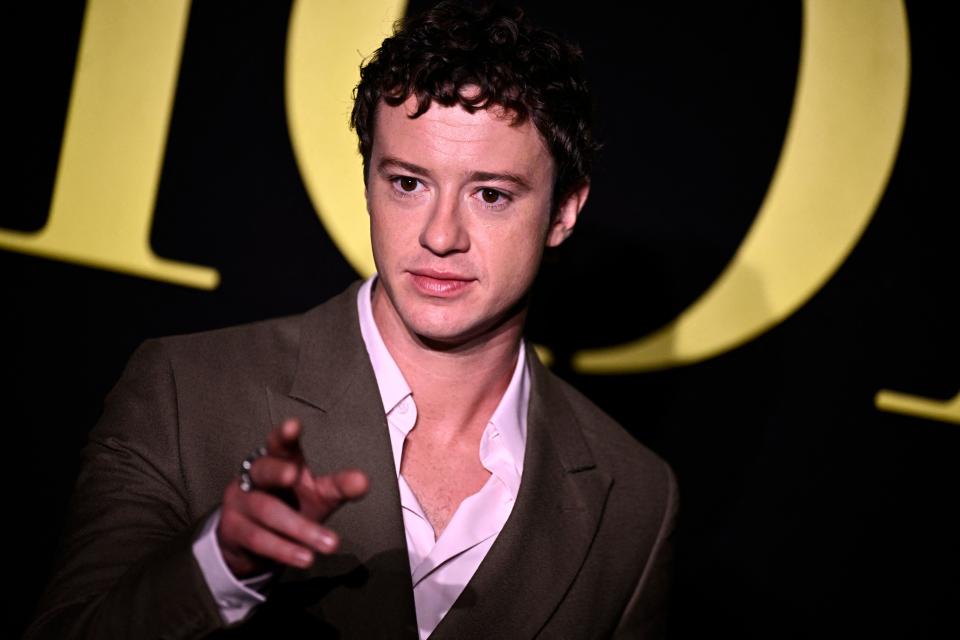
[(326, 43), (113, 144)]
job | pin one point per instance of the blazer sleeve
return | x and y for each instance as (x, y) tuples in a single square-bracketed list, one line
[(126, 567), (646, 613)]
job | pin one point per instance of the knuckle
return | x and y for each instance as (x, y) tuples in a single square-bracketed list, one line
[(260, 470), (329, 490), (257, 539), (289, 473), (228, 519), (233, 529), (276, 472), (260, 503), (270, 511)]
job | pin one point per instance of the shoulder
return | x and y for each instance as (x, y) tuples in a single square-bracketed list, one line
[(260, 346), (223, 375), (636, 470), (631, 547), (265, 349), (609, 442)]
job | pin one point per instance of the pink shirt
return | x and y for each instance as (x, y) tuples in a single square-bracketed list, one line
[(440, 568)]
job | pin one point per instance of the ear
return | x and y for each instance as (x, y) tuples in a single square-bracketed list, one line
[(566, 216)]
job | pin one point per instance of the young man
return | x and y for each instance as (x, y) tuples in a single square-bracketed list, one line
[(427, 475)]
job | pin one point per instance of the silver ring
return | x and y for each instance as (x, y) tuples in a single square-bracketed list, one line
[(246, 481)]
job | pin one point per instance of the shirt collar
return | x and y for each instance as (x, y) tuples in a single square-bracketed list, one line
[(393, 386), (509, 419)]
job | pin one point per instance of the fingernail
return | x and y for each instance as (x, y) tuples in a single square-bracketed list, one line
[(325, 540), (304, 558)]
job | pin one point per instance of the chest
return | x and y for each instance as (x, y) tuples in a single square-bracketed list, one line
[(441, 477)]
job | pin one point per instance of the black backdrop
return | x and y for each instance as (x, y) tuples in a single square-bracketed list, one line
[(807, 512)]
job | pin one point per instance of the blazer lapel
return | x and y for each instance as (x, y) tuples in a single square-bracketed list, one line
[(535, 558), (365, 590), (335, 395)]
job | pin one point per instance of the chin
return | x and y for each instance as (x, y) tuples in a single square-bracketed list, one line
[(447, 332), (441, 333)]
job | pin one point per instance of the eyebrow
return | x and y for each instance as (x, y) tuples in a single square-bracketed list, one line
[(519, 182)]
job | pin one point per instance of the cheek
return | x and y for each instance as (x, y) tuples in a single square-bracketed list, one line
[(515, 255), (384, 250), (385, 228)]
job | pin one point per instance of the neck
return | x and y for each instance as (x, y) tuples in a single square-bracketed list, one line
[(456, 386)]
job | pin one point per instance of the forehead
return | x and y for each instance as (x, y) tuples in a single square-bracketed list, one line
[(451, 137)]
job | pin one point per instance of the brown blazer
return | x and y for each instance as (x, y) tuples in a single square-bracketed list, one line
[(585, 552)]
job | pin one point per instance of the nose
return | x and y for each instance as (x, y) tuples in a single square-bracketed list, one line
[(443, 231)]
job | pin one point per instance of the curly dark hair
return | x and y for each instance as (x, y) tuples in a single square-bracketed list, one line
[(529, 71)]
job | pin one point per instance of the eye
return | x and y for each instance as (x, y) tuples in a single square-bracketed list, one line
[(492, 196), (408, 184)]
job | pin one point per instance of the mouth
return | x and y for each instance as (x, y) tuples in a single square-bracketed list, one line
[(439, 284)]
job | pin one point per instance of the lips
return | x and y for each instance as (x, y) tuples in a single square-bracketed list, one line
[(439, 284)]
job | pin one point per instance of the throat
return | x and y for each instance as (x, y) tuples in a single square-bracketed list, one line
[(441, 477)]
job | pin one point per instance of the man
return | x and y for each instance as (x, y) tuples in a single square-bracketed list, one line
[(426, 476)]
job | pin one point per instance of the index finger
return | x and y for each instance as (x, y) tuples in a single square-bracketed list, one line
[(284, 440)]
